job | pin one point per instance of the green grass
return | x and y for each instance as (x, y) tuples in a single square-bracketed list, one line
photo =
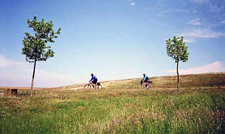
[(196, 109)]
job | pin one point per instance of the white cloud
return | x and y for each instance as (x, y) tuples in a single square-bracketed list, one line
[(52, 79), (5, 62), (19, 74), (180, 10), (175, 10), (132, 4), (203, 33), (200, 1), (195, 22), (189, 40), (209, 68), (216, 8)]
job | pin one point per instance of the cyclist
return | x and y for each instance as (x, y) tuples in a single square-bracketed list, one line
[(145, 79), (94, 79)]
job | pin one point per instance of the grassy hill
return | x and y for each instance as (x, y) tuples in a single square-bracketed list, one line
[(121, 108), (165, 82)]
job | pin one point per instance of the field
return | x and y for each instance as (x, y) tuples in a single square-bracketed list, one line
[(120, 107)]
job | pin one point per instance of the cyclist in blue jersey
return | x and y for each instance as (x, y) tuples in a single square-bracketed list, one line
[(94, 79), (145, 78)]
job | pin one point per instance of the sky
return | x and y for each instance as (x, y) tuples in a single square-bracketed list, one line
[(114, 39)]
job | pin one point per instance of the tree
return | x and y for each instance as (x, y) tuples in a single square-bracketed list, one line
[(35, 46), (177, 49)]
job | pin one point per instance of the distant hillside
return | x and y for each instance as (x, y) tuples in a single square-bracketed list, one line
[(186, 81), (193, 80)]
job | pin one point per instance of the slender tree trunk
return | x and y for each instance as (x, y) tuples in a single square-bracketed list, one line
[(177, 76), (32, 83)]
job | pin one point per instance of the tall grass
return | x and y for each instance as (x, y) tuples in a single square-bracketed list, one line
[(115, 111)]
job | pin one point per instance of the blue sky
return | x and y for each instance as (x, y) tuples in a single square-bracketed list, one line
[(114, 39)]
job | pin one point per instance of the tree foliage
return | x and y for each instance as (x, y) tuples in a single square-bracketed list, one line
[(35, 47), (177, 49)]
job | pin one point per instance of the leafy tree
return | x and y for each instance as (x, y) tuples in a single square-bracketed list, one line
[(35, 46), (177, 49)]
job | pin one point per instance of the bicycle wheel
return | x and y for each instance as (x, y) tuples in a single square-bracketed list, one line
[(87, 86), (141, 86), (99, 87), (150, 86)]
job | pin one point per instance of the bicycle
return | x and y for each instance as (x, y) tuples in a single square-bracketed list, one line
[(147, 84), (91, 85)]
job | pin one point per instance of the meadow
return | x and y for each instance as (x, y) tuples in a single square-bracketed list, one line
[(119, 107)]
